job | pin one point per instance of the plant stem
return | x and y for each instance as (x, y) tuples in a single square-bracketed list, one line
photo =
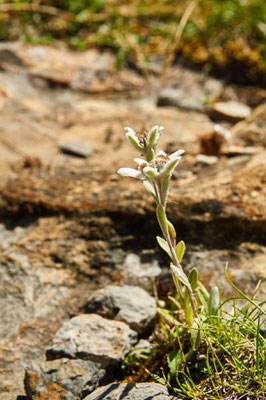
[(171, 243), (157, 192), (177, 264)]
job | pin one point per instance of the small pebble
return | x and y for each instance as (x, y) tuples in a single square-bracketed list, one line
[(76, 148)]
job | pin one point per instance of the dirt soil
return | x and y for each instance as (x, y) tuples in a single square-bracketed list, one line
[(67, 223)]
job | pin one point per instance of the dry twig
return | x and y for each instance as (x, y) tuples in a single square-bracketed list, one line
[(179, 32)]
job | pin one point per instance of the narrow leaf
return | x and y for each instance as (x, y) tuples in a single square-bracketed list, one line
[(189, 314), (171, 230), (179, 275), (186, 298), (150, 189), (152, 136), (203, 296), (180, 250), (161, 217), (131, 173), (134, 142), (170, 166), (193, 278), (196, 334), (163, 244), (165, 189), (168, 317), (214, 301), (150, 154)]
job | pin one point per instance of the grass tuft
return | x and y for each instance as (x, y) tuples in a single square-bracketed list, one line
[(229, 361)]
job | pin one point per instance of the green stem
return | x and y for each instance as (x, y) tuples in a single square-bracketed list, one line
[(177, 264), (171, 244), (157, 192), (167, 238)]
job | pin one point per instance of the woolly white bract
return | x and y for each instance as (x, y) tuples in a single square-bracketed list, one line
[(161, 166)]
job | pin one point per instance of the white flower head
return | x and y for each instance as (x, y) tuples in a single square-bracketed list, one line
[(160, 167), (144, 140), (165, 164)]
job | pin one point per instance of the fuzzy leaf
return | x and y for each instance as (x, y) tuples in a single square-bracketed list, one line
[(150, 189), (171, 230), (170, 166), (196, 334), (186, 298), (180, 250), (214, 301), (151, 173), (131, 172), (161, 217), (193, 278), (165, 189), (163, 244), (179, 275), (150, 154), (133, 140), (152, 136), (189, 315)]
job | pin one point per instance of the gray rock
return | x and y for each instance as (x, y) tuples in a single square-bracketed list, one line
[(80, 377), (15, 294), (91, 337), (10, 236), (179, 98), (131, 391), (140, 274), (130, 304), (142, 346), (76, 148), (38, 387)]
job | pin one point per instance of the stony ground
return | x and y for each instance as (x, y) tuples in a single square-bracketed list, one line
[(67, 223)]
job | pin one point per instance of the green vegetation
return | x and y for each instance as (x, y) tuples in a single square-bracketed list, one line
[(223, 356), (228, 35)]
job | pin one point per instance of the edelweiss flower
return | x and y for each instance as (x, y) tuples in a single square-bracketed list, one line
[(161, 166), (144, 140)]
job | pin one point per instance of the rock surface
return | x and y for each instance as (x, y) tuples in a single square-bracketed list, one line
[(130, 304), (38, 387), (131, 391), (140, 273), (91, 337), (79, 377), (176, 98)]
